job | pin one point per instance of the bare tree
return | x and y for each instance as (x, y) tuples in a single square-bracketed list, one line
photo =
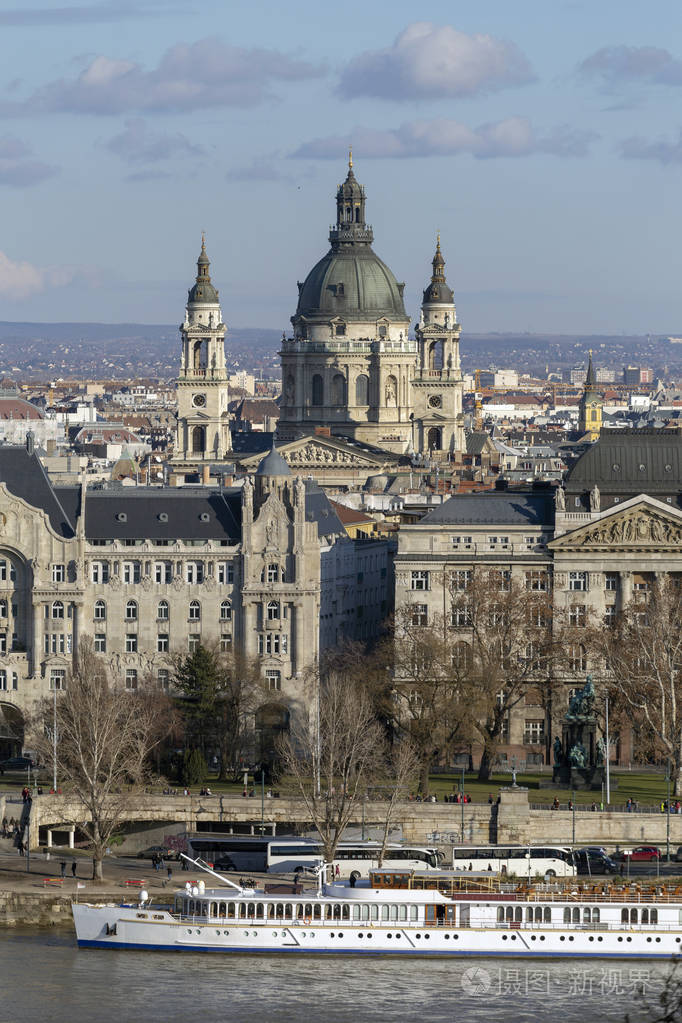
[(642, 657), (105, 737), (401, 767), (506, 635), (426, 698), (333, 761)]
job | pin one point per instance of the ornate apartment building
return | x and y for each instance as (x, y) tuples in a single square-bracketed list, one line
[(148, 571), (591, 545)]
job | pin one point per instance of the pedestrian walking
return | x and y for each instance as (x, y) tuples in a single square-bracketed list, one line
[(73, 869), (62, 867)]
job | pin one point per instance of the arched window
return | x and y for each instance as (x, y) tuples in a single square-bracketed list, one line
[(567, 915), (338, 389), (653, 916), (162, 611), (587, 915), (624, 916), (226, 611), (362, 389), (633, 916), (100, 611), (194, 610), (131, 611), (57, 609), (273, 610), (595, 915), (576, 915), (318, 390), (391, 392), (198, 438), (645, 916), (273, 574)]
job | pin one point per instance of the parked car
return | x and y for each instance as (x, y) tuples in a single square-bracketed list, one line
[(642, 854), (154, 850), (594, 862), (599, 849), (678, 854), (17, 764)]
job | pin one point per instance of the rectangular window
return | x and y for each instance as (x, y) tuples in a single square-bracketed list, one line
[(461, 578), (100, 643), (272, 643), (498, 541), (131, 643), (500, 579), (163, 678), (193, 642), (420, 614), (225, 643), (577, 658), (460, 616), (58, 573), (461, 541), (577, 616), (57, 678), (132, 571), (3, 642), (274, 680), (533, 733), (3, 571), (537, 580), (610, 615), (420, 580), (577, 581), (162, 643), (194, 572), (225, 572), (163, 572), (131, 678), (611, 581), (99, 571)]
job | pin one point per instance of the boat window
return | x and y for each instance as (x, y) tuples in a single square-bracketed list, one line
[(346, 913), (221, 910), (365, 912), (413, 912), (230, 910), (337, 911), (356, 912), (250, 910), (288, 911), (271, 911), (595, 915), (633, 916), (645, 916), (587, 916), (242, 910), (567, 915), (510, 912), (576, 915), (374, 912), (548, 914), (191, 907), (653, 916), (529, 914), (328, 912), (309, 910), (538, 914), (500, 914), (317, 913), (384, 912), (402, 912), (259, 911), (214, 909), (279, 910), (394, 912), (299, 911), (518, 914), (624, 916)]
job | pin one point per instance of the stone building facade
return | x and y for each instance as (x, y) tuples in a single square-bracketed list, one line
[(145, 572), (591, 546)]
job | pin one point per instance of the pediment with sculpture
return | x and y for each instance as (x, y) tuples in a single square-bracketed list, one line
[(639, 528), (316, 453)]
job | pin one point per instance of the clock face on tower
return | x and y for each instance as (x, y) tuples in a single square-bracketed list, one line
[(435, 401), (199, 400)]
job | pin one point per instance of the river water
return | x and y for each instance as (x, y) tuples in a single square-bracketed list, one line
[(44, 978)]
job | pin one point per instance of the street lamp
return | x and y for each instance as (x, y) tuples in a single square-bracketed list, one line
[(461, 800), (608, 756), (573, 807), (667, 812)]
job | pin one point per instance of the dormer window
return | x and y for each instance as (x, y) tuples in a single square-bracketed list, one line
[(340, 291), (340, 330)]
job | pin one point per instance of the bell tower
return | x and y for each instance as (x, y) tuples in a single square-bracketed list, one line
[(203, 433), (590, 406), (437, 386)]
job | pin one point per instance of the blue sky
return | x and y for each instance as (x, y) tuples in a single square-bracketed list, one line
[(542, 139)]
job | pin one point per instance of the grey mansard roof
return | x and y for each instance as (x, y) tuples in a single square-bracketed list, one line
[(163, 513), (494, 508), (632, 461), (24, 476)]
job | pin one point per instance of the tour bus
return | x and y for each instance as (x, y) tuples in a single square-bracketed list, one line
[(522, 860), (286, 855)]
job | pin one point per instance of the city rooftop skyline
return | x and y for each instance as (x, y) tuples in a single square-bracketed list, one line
[(542, 141)]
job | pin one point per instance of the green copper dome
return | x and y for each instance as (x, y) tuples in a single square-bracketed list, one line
[(350, 282), (203, 290)]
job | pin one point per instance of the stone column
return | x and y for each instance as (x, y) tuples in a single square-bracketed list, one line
[(298, 641), (38, 612), (625, 589), (76, 630)]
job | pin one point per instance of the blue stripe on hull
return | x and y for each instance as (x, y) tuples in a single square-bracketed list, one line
[(139, 947)]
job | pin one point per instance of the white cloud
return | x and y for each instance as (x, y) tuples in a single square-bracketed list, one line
[(189, 77), (614, 64), (663, 151), (429, 61), (20, 280), (513, 136), (138, 143), (18, 168)]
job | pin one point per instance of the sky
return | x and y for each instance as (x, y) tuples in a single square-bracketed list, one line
[(541, 138)]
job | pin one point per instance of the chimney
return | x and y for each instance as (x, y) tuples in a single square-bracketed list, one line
[(206, 475), (51, 446), (228, 480)]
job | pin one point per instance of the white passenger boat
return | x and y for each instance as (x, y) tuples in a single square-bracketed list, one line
[(447, 914)]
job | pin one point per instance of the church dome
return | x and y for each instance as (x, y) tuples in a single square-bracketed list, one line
[(438, 291), (203, 291), (273, 464), (350, 282), (353, 284)]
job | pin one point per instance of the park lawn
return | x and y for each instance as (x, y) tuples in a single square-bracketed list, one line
[(646, 788)]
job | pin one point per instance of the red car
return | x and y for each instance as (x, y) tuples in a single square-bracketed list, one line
[(646, 853)]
